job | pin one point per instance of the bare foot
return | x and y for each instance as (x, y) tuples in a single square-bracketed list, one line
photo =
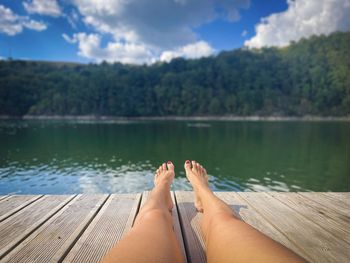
[(198, 178), (164, 176)]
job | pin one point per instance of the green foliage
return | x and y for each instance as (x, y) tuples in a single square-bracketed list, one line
[(308, 77)]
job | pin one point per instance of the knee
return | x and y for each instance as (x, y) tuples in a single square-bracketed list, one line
[(155, 215), (221, 219)]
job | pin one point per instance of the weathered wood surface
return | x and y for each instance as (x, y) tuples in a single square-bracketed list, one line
[(82, 228)]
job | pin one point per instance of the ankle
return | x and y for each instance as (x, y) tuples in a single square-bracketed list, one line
[(163, 185), (203, 190)]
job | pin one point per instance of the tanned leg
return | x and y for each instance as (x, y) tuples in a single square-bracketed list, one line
[(227, 238), (152, 238)]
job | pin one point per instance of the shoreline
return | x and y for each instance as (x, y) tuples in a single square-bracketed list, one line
[(177, 118)]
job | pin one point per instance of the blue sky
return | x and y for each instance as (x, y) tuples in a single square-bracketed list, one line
[(146, 31)]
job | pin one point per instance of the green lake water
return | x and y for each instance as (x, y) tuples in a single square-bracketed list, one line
[(57, 157)]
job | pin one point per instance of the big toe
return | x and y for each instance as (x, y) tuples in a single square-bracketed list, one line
[(187, 166), (170, 166)]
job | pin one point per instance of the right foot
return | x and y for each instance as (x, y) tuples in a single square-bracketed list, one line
[(165, 175), (198, 178)]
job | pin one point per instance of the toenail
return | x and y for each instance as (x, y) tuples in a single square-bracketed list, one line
[(187, 161), (169, 162)]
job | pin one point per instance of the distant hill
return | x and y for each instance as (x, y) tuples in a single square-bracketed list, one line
[(310, 77)]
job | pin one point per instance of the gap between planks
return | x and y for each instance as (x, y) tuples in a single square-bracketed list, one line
[(337, 206)]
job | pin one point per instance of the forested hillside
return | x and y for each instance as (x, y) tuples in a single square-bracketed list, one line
[(311, 77)]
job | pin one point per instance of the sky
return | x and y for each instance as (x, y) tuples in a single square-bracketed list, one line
[(148, 31)]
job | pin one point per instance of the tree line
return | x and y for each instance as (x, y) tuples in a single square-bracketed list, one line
[(309, 77)]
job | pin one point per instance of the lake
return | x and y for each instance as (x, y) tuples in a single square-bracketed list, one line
[(65, 157)]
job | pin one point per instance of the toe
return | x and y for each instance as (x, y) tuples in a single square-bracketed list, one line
[(160, 169), (201, 170), (198, 167), (170, 166), (164, 166), (187, 165), (194, 167)]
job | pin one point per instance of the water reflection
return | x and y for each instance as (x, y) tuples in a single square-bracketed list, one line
[(85, 157), (68, 177)]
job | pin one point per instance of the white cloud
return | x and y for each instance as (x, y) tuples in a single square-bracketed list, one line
[(149, 30), (43, 7), (69, 39), (303, 18), (126, 52), (12, 24), (244, 33), (90, 47), (34, 25), (194, 50), (160, 23)]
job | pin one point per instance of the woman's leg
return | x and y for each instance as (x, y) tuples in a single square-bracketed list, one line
[(227, 238), (152, 238)]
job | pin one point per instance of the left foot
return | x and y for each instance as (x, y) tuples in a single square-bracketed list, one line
[(165, 176)]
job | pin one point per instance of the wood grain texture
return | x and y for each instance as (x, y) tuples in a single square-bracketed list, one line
[(17, 227), (15, 203), (53, 239), (177, 227), (343, 197), (329, 202), (105, 230), (190, 222), (320, 245), (133, 213), (337, 225), (2, 197), (82, 228)]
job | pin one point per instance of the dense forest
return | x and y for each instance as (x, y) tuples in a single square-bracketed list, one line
[(310, 77)]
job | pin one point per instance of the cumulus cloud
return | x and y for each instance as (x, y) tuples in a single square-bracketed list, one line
[(43, 7), (159, 23), (34, 25), (303, 18), (90, 47), (12, 24), (149, 30), (130, 53), (194, 50)]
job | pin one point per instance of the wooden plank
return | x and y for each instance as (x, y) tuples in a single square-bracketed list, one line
[(2, 197), (341, 198), (176, 226), (190, 222), (16, 228), (52, 241), (241, 208), (15, 203), (337, 225), (331, 203), (248, 214), (133, 214), (106, 229), (320, 245), (144, 198)]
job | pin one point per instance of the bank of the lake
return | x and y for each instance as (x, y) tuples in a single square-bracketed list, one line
[(179, 118)]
